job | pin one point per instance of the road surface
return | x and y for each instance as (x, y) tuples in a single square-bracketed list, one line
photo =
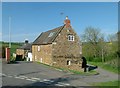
[(33, 74)]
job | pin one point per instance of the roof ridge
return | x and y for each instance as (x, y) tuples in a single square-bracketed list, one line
[(58, 33), (53, 29)]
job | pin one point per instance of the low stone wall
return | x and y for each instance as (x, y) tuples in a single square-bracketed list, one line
[(69, 63)]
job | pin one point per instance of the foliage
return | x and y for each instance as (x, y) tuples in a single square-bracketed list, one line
[(96, 48), (12, 58), (14, 46)]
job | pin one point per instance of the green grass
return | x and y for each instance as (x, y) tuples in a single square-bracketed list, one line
[(72, 71), (110, 83), (106, 66), (14, 46)]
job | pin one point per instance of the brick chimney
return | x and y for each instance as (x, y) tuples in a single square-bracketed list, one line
[(67, 22)]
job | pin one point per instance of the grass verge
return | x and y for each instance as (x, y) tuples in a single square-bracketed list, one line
[(107, 67), (93, 72), (110, 83)]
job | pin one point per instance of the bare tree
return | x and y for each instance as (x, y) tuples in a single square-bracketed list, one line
[(112, 38), (95, 38)]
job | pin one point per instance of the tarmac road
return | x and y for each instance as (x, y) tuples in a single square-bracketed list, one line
[(33, 74)]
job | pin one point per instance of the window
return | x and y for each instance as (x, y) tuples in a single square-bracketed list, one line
[(41, 60), (38, 48), (70, 38), (68, 62)]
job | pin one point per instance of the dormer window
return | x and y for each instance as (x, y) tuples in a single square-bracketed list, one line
[(71, 38), (51, 34)]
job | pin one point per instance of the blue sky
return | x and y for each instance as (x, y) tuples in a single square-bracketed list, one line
[(28, 20)]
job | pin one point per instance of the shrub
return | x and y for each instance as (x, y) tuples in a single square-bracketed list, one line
[(89, 58), (97, 59), (12, 58)]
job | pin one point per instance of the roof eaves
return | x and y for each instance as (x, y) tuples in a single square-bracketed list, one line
[(43, 44)]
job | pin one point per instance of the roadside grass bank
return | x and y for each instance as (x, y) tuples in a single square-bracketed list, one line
[(107, 66), (114, 84), (92, 72)]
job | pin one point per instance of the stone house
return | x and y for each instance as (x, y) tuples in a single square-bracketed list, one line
[(58, 47), (23, 51)]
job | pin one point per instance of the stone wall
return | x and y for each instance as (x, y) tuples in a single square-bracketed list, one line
[(69, 63), (65, 52), (65, 48), (61, 53), (42, 53), (20, 52)]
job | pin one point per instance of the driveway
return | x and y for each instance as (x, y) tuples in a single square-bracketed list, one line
[(34, 74)]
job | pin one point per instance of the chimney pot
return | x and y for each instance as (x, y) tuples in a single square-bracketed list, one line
[(67, 22)]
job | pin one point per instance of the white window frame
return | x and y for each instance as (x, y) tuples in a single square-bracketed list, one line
[(51, 34), (71, 37), (41, 60), (38, 48)]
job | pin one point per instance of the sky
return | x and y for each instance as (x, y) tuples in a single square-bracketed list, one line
[(29, 19)]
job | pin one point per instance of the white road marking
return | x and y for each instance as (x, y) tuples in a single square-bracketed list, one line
[(46, 80), (31, 80), (23, 77), (19, 77), (28, 79), (62, 84), (58, 85), (35, 78), (51, 81), (66, 84), (41, 81)]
